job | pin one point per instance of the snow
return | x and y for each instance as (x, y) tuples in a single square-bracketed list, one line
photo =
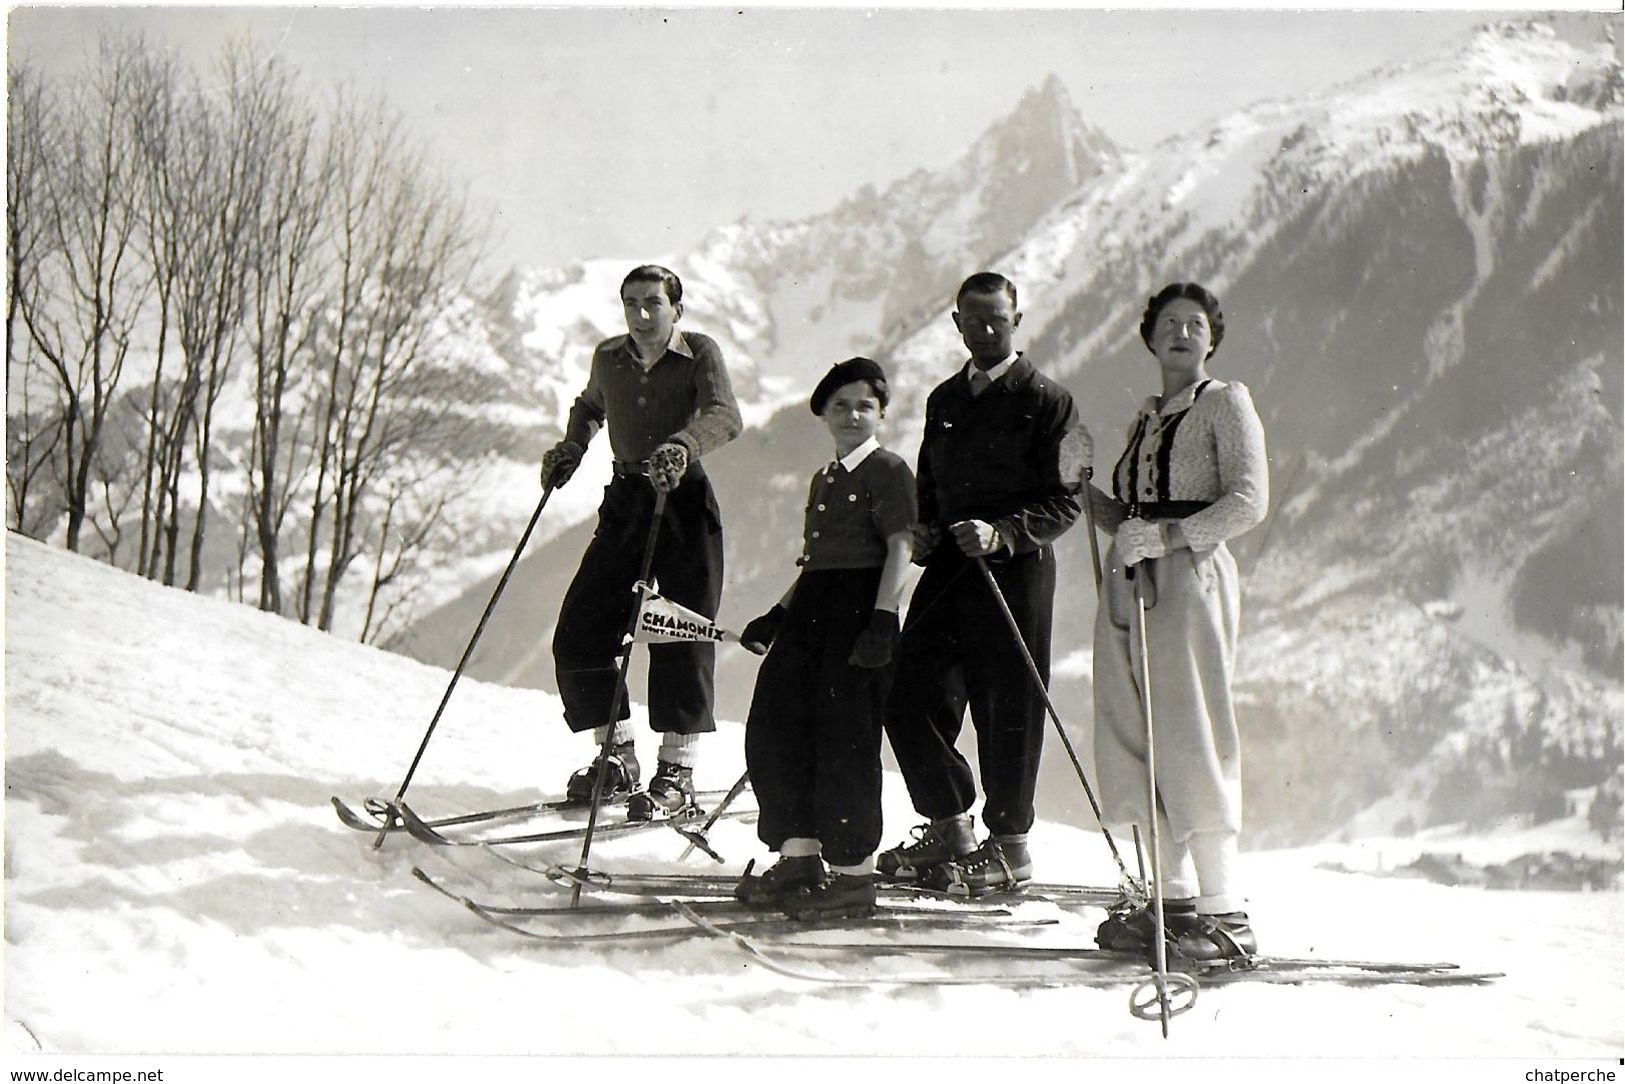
[(177, 887)]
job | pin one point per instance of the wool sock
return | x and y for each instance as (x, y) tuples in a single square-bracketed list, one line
[(680, 749)]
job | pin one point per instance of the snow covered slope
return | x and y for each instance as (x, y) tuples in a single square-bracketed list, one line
[(177, 883)]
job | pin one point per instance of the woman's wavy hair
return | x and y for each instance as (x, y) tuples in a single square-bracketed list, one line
[(1192, 291)]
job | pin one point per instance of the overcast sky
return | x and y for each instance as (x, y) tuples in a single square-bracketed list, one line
[(631, 133)]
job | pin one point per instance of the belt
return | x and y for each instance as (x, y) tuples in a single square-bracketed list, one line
[(630, 468), (1167, 509)]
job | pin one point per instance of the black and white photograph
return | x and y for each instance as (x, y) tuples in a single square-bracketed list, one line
[(814, 539)]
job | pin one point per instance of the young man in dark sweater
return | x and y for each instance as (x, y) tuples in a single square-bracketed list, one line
[(667, 400), (990, 488)]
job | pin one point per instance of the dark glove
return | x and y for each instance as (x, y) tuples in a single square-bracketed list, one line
[(874, 645), (925, 539), (560, 462), (758, 635), (666, 466)]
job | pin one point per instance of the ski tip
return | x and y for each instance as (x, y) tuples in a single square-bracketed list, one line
[(416, 826), (372, 822)]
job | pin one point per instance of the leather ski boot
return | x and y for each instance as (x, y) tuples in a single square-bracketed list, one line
[(670, 795), (934, 844), (620, 777)]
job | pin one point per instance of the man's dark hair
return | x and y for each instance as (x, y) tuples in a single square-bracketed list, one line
[(987, 282), (653, 272)]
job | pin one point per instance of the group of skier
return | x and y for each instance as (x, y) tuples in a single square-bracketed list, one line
[(1001, 474)]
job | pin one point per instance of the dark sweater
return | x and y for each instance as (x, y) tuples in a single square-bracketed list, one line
[(851, 514), (684, 397)]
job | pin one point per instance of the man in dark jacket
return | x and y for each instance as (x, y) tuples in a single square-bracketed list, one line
[(990, 488)]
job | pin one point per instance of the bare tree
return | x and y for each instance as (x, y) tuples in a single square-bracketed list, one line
[(284, 310), (81, 319), (188, 223), (33, 433), (402, 246), (238, 145), (115, 492), (165, 181), (404, 529)]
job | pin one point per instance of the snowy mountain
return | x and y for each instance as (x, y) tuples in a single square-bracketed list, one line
[(880, 263), (1421, 272), (780, 296), (177, 884), (783, 300)]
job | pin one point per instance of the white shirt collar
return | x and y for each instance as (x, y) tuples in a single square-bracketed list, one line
[(676, 343), (857, 455), (994, 373)]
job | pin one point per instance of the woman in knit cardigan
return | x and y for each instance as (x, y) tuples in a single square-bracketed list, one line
[(1193, 476)]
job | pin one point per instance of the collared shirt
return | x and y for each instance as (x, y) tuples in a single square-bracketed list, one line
[(683, 396), (673, 342), (857, 455), (992, 374), (854, 505)]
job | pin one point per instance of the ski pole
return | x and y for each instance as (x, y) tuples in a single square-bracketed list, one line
[(1089, 520), (1162, 981), (1043, 690), (524, 539), (620, 688), (696, 834), (1070, 473)]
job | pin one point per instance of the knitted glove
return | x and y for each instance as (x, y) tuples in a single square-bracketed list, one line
[(874, 644), (1075, 458), (666, 466), (560, 462), (759, 634), (1138, 539)]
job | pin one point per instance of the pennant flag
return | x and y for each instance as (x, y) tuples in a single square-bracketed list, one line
[(662, 621)]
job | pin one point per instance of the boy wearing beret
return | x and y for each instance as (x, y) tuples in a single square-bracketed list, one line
[(812, 737)]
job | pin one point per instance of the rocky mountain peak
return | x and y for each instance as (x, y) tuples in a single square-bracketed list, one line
[(1046, 128), (854, 278)]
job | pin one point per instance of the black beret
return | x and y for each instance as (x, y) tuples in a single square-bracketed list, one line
[(847, 372)]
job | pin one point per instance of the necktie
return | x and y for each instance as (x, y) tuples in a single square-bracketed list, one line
[(979, 382)]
